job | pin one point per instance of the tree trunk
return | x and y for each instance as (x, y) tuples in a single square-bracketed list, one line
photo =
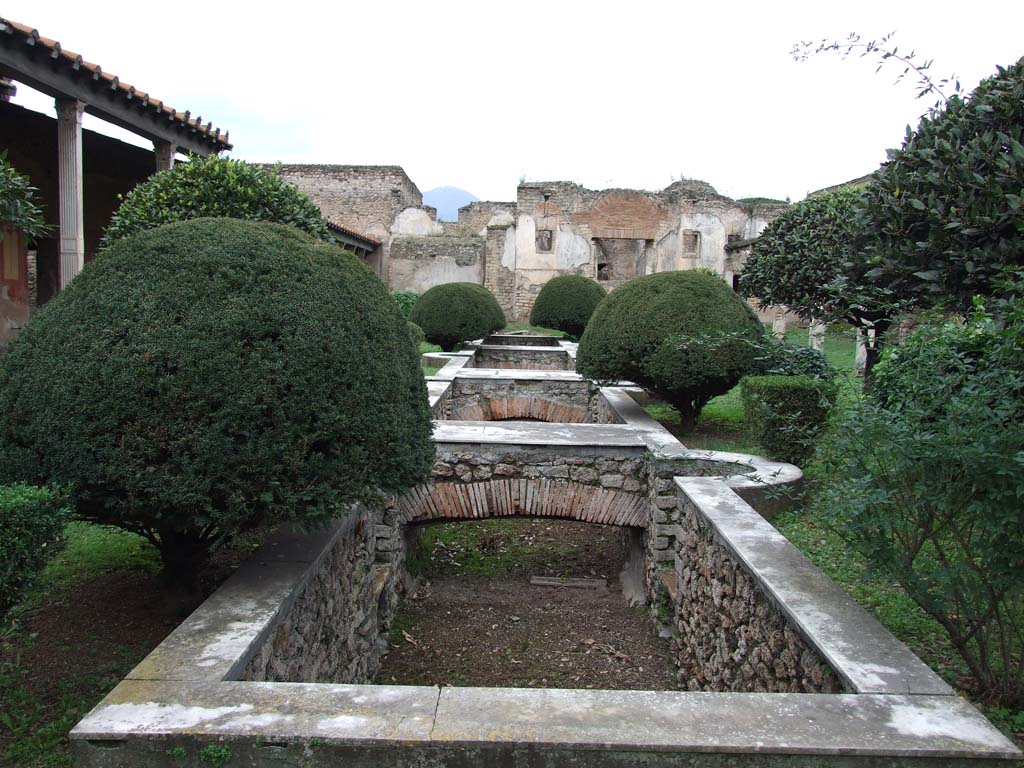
[(182, 554), (873, 350), (688, 413)]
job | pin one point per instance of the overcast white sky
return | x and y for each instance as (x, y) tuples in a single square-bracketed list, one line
[(478, 95)]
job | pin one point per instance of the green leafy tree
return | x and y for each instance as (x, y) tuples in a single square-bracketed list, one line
[(944, 217), (809, 259), (684, 335), (208, 376), (455, 312), (18, 207), (566, 303), (214, 187)]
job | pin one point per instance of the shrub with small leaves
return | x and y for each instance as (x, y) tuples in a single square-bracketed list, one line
[(457, 312), (406, 301), (31, 525), (18, 207), (778, 358), (566, 303), (415, 334), (683, 335), (925, 478), (209, 376), (214, 187), (785, 414)]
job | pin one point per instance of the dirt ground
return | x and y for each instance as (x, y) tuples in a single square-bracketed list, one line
[(476, 619), (65, 654)]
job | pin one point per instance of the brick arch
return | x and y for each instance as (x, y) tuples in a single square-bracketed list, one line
[(522, 407), (541, 497)]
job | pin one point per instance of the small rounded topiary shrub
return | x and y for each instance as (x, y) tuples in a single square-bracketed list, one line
[(683, 335), (214, 187), (208, 376), (31, 527), (786, 413), (455, 312), (406, 301), (415, 334), (566, 303)]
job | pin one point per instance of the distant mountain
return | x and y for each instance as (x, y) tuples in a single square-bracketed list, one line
[(448, 200)]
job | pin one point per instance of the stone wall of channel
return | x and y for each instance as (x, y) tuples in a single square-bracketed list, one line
[(470, 391), (532, 359), (336, 629), (620, 469), (729, 636)]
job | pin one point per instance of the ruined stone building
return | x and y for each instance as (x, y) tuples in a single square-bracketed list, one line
[(552, 228)]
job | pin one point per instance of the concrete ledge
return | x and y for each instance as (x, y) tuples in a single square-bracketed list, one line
[(527, 433), (594, 728), (867, 658), (517, 374)]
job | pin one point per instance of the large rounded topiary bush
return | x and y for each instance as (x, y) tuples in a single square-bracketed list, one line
[(208, 376), (215, 187), (566, 303), (456, 312), (684, 335)]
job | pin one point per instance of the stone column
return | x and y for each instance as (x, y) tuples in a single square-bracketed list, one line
[(164, 152), (864, 337), (816, 335), (779, 323), (71, 211)]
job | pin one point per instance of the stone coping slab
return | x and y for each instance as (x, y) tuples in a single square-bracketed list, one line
[(214, 642), (540, 433), (864, 654), (549, 720), (518, 374)]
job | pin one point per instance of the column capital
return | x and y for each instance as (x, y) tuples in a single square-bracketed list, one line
[(164, 155), (69, 109)]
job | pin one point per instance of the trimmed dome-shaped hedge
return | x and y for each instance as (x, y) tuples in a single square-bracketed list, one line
[(210, 375), (456, 312), (683, 335), (215, 187), (566, 303)]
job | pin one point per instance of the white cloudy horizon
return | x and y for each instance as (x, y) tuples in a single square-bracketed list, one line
[(478, 97)]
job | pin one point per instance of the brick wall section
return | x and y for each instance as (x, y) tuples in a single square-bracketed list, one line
[(535, 408), (505, 496), (499, 280), (463, 250), (474, 217), (365, 198), (731, 637), (336, 631)]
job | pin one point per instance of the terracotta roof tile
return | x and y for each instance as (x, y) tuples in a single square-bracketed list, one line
[(352, 233), (75, 61)]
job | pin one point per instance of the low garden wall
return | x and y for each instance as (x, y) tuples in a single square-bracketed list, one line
[(534, 358), (778, 666)]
